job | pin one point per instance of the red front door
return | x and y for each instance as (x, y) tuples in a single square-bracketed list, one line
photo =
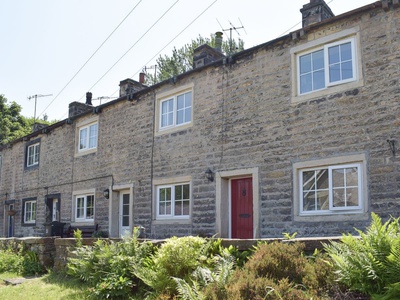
[(242, 208)]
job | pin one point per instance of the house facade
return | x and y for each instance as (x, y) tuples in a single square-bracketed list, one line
[(295, 135)]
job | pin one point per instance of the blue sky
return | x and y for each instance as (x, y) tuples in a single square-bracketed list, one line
[(45, 42)]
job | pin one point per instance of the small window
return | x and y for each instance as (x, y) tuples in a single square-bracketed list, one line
[(32, 158), (29, 211), (332, 64), (331, 189), (173, 201), (84, 208), (88, 137), (176, 111)]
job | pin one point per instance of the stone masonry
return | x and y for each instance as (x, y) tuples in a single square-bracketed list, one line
[(246, 116)]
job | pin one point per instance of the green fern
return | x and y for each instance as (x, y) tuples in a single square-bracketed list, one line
[(369, 263)]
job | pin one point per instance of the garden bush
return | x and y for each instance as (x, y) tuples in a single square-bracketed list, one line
[(370, 263), (281, 271), (176, 257), (108, 267), (16, 258)]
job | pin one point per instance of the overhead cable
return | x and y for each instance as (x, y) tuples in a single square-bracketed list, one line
[(94, 53)]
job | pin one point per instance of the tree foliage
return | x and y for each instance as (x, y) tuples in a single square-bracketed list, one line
[(181, 60), (13, 125)]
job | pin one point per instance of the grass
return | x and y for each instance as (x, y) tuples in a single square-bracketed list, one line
[(49, 286)]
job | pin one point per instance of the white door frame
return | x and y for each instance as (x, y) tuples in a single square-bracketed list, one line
[(123, 229)]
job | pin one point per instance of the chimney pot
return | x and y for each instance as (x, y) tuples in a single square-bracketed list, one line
[(218, 41), (141, 77), (89, 98)]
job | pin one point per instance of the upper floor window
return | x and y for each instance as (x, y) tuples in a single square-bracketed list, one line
[(32, 158), (88, 137), (329, 65), (29, 211), (176, 110), (335, 188), (84, 208), (173, 201)]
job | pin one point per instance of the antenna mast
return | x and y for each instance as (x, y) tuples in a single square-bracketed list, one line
[(230, 33), (36, 96)]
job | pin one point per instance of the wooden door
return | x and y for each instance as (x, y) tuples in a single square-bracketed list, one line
[(242, 208)]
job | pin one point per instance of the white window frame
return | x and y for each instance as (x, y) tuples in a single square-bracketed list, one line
[(30, 215), (175, 110), (172, 214), (330, 208), (33, 151), (311, 44), (326, 69), (86, 145), (84, 217)]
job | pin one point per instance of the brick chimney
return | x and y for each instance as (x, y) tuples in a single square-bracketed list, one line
[(205, 55), (315, 11)]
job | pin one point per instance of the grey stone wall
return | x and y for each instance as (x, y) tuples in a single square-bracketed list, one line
[(243, 117)]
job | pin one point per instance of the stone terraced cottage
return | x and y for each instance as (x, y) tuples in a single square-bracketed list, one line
[(299, 134)]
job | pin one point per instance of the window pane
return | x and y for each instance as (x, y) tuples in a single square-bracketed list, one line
[(319, 80), (323, 200), (318, 60), (345, 51), (93, 136), (180, 117), (82, 138), (188, 114), (338, 178), (161, 208), (352, 197), (334, 73), (333, 55), (181, 101), (185, 208), (339, 197), (178, 208), (347, 70), (308, 201), (178, 192), (351, 176), (308, 180), (305, 64), (168, 208), (125, 221), (186, 189), (305, 83), (80, 205), (188, 99), (322, 179)]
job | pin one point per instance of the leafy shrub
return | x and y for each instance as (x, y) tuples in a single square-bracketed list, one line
[(370, 263), (208, 283), (107, 267), (280, 271), (10, 261), (30, 264), (177, 257)]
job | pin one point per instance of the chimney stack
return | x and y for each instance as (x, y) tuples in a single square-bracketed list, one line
[(218, 41), (315, 12), (89, 98)]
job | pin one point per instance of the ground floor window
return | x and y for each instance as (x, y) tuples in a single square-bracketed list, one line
[(330, 186), (84, 208), (29, 211), (173, 201)]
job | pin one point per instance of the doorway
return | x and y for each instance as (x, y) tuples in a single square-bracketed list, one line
[(124, 213), (10, 221), (238, 203), (242, 208)]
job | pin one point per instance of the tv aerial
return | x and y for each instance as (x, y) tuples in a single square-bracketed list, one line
[(230, 29), (37, 96)]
